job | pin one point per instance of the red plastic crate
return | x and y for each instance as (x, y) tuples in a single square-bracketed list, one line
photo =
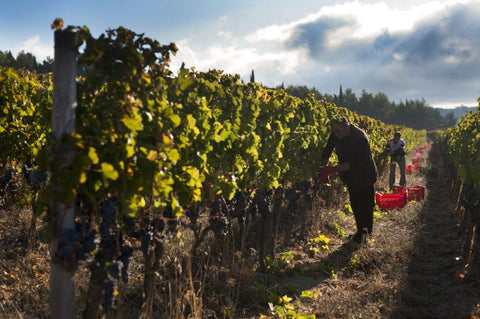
[(325, 172), (408, 169), (391, 200), (417, 160), (416, 192), (397, 189), (416, 167)]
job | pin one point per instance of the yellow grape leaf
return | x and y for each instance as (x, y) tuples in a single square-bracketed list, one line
[(83, 178), (133, 124), (92, 154), (176, 120), (167, 138), (130, 150), (141, 202), (57, 24), (286, 299), (152, 155), (191, 121), (173, 155), (109, 171)]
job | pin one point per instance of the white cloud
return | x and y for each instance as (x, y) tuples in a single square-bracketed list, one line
[(235, 60), (224, 34), (275, 33), (32, 45), (364, 21)]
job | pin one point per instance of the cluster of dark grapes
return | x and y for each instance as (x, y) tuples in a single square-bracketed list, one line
[(9, 184), (88, 240), (305, 187), (292, 196), (114, 255), (237, 206), (116, 270), (261, 204), (77, 243), (6, 179), (110, 284), (471, 200), (108, 227), (152, 231), (219, 219), (193, 213)]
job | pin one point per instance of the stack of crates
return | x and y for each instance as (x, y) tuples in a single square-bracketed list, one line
[(400, 196)]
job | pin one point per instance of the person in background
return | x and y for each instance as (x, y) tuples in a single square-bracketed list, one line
[(357, 170), (396, 148)]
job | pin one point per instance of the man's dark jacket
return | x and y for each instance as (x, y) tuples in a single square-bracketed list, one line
[(354, 149)]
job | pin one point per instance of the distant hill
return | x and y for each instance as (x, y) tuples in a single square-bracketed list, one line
[(457, 111)]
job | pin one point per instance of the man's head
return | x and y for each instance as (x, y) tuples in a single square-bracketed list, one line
[(396, 136), (340, 127)]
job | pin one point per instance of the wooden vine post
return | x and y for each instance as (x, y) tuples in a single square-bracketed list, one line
[(62, 298)]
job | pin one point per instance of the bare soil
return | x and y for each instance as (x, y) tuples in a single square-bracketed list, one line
[(411, 267)]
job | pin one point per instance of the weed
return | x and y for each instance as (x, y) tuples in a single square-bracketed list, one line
[(280, 264), (320, 240), (340, 230), (311, 294), (347, 209), (378, 213), (285, 309), (354, 263)]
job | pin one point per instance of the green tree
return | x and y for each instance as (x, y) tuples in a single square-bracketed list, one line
[(366, 104), (382, 108), (7, 59), (46, 66), (302, 91), (350, 100), (449, 120), (340, 97), (26, 61)]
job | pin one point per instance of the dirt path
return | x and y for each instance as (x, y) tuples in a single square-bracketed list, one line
[(434, 287), (410, 268)]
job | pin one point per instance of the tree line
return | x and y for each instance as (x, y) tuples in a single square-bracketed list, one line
[(25, 60), (415, 114)]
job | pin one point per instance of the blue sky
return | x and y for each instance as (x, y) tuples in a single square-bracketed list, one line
[(406, 49)]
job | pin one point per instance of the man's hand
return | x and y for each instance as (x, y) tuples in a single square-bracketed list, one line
[(342, 167)]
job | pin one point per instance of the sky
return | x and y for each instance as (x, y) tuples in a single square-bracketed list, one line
[(409, 50)]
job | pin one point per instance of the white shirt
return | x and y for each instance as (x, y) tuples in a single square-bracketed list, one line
[(392, 146)]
